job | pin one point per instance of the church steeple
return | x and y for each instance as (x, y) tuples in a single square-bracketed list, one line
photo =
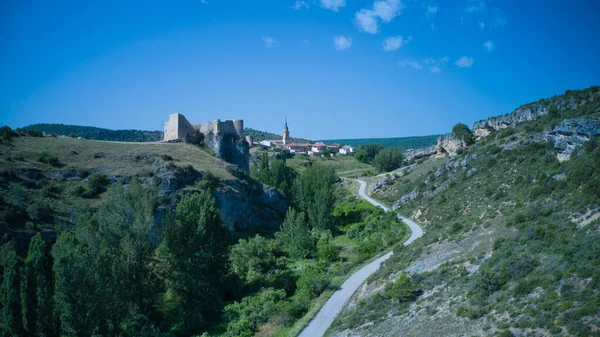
[(286, 133)]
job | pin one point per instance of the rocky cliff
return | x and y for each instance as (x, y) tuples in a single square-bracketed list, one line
[(569, 101), (230, 148), (569, 136), (449, 144), (244, 203)]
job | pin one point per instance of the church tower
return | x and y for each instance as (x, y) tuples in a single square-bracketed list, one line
[(286, 134)]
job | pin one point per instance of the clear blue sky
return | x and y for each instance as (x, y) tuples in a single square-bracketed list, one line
[(334, 68)]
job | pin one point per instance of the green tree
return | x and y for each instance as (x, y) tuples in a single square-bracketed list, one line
[(37, 290), (282, 176), (102, 271), (295, 235), (195, 254), (403, 289), (320, 211), (366, 153), (253, 257), (461, 131), (11, 306), (312, 282), (388, 159)]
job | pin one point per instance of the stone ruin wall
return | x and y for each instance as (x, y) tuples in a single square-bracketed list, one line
[(177, 127), (225, 138)]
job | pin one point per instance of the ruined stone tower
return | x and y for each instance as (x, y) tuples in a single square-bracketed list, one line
[(225, 138)]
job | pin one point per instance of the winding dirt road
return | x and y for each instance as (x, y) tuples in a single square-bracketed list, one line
[(323, 319)]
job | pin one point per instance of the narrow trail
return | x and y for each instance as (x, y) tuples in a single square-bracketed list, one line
[(323, 319)]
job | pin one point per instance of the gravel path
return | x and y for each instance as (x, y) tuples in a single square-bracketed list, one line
[(325, 316)]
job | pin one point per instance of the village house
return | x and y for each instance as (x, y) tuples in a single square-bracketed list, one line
[(316, 149)]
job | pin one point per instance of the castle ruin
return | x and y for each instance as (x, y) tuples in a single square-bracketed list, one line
[(225, 138)]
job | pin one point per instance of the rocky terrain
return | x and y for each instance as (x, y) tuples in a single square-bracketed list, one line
[(511, 232)]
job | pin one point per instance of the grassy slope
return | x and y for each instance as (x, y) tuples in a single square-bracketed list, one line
[(111, 158), (505, 249), (37, 188)]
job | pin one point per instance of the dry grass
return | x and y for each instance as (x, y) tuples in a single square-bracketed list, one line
[(112, 158)]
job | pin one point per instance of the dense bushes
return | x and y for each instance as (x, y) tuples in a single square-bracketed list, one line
[(48, 158), (366, 153), (388, 159)]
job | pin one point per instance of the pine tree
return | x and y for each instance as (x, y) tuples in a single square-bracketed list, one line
[(11, 306)]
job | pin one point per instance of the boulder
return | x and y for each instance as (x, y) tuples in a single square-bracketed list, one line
[(405, 198)]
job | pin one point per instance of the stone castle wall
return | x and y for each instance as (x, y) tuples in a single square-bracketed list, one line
[(225, 138), (177, 127)]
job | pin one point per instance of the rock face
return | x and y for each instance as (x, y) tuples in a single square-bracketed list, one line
[(483, 128), (420, 153), (230, 148), (246, 205), (526, 113), (243, 203), (405, 198), (449, 144), (571, 134)]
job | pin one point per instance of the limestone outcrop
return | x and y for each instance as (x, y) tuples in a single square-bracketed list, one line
[(570, 135), (414, 154), (523, 114), (449, 144)]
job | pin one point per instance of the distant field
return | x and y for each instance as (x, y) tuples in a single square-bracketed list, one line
[(401, 143)]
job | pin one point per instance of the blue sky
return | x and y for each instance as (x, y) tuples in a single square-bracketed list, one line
[(334, 68)]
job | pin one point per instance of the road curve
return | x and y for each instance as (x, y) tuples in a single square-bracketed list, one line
[(323, 319)]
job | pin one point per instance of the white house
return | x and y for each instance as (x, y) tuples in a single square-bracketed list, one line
[(347, 149)]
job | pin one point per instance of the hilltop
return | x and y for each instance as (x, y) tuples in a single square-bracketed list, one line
[(91, 132)]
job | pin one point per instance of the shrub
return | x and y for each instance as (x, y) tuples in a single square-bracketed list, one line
[(327, 251), (470, 311), (312, 282), (388, 159), (461, 131), (6, 135), (96, 183), (403, 289), (48, 158)]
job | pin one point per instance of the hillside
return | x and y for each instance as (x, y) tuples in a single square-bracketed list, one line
[(512, 243), (47, 182), (401, 143), (149, 229), (91, 132)]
